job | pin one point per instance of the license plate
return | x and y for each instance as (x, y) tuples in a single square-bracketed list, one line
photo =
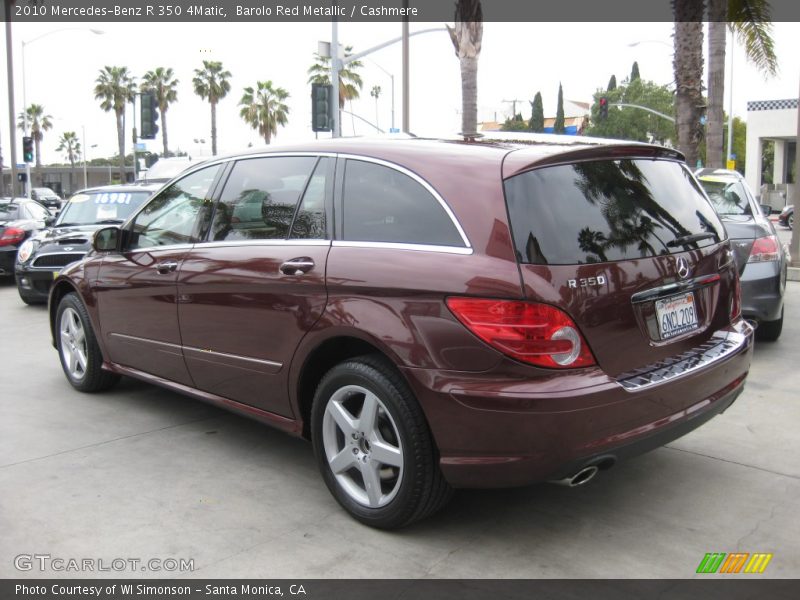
[(676, 315), (55, 274)]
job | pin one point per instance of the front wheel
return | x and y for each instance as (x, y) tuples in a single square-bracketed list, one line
[(77, 346), (373, 445)]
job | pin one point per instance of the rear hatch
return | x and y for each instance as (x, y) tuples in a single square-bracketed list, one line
[(624, 241)]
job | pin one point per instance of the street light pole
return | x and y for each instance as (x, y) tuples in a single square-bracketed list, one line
[(10, 74), (730, 106), (24, 94)]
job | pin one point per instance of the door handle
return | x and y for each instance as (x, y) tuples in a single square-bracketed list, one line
[(166, 267), (297, 266)]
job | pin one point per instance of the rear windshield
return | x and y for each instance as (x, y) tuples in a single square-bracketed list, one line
[(608, 210), (728, 197)]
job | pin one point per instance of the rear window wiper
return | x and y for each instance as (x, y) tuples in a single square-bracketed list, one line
[(690, 239)]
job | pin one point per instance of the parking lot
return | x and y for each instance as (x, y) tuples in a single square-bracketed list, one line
[(142, 473)]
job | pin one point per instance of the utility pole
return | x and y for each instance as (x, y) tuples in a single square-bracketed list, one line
[(337, 125), (406, 76), (10, 72), (794, 243), (513, 106)]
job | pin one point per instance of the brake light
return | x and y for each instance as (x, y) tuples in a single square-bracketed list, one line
[(736, 300), (11, 236), (538, 334), (764, 249)]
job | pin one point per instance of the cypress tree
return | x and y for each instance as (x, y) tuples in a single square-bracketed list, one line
[(612, 83), (536, 123), (634, 71), (558, 126)]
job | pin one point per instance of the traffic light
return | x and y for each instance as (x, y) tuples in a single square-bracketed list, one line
[(148, 112), (27, 149), (603, 108), (321, 107)]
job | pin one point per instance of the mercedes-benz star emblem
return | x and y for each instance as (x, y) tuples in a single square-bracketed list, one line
[(682, 265)]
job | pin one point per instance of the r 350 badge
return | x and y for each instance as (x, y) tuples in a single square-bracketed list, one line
[(588, 282)]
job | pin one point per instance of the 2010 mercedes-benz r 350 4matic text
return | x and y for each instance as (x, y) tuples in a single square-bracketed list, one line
[(430, 314)]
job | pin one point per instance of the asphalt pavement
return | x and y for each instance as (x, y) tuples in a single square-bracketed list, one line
[(139, 473)]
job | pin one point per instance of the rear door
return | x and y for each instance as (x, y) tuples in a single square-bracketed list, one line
[(249, 293), (630, 248)]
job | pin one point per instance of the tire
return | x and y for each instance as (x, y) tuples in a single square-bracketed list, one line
[(78, 350), (770, 331), (394, 449)]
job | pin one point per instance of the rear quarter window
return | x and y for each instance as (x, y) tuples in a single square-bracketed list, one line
[(608, 210), (382, 204)]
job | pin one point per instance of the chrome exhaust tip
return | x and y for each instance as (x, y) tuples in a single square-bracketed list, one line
[(582, 477)]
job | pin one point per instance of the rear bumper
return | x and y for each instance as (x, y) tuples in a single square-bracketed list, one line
[(763, 286), (493, 430)]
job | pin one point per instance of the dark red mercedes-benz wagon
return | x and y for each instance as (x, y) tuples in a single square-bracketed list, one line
[(431, 314)]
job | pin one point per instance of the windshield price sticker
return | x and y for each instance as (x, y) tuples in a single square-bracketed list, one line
[(112, 198), (676, 315)]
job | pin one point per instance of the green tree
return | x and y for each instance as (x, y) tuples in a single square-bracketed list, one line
[(631, 123), (515, 123), (558, 126), (115, 87), (536, 123), (350, 82), (71, 147), (263, 108), (467, 36), (212, 83), (750, 22), (612, 83), (635, 71), (161, 81), (688, 69), (739, 144), (38, 123)]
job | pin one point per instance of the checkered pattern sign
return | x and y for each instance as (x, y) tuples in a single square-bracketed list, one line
[(772, 104)]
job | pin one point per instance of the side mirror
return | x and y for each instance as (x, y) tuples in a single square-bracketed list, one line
[(106, 239), (766, 209), (49, 221)]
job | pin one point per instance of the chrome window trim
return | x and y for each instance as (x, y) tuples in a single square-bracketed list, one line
[(273, 242), (423, 183), (399, 246), (188, 246)]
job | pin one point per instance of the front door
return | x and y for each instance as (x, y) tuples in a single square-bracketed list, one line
[(136, 289)]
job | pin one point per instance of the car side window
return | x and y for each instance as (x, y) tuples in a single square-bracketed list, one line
[(172, 216), (381, 204), (309, 221), (260, 198)]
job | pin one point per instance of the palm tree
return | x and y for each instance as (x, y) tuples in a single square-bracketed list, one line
[(38, 122), (466, 35), (115, 88), (264, 109), (211, 83), (350, 82), (375, 92), (688, 68), (71, 147), (750, 21), (163, 84)]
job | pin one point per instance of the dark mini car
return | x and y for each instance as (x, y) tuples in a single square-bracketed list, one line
[(48, 198), (20, 218), (41, 258), (759, 253), (430, 314)]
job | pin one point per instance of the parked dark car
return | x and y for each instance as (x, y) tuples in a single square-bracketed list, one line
[(48, 198), (430, 314), (759, 254), (786, 218), (19, 219), (41, 258)]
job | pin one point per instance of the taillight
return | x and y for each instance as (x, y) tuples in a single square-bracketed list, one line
[(534, 333), (736, 300), (764, 249), (11, 236)]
